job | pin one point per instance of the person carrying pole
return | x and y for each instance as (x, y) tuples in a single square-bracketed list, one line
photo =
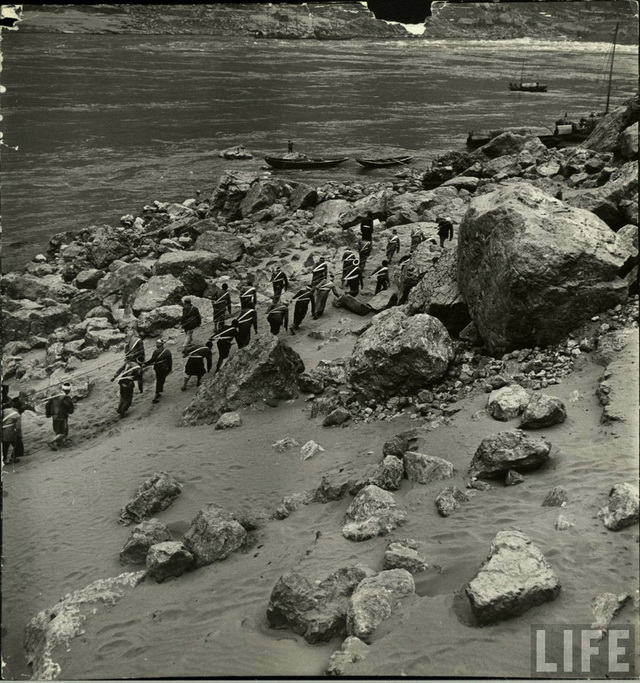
[(278, 316), (247, 320), (224, 339), (445, 230), (319, 273), (348, 259), (302, 300), (162, 363), (248, 296), (195, 365), (364, 251), (127, 376), (279, 282), (11, 434), (134, 347), (190, 321), (382, 274), (58, 408), (393, 245), (354, 279), (221, 306), (417, 237), (321, 294)]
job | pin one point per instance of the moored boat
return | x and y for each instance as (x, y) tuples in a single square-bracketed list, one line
[(384, 161), (303, 161), (478, 138)]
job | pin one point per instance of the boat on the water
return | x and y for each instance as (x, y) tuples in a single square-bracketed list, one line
[(296, 160), (478, 138), (385, 161), (527, 87)]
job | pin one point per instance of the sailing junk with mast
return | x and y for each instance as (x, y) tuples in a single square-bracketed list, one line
[(527, 87)]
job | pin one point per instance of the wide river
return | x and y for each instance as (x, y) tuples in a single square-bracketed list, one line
[(97, 126)]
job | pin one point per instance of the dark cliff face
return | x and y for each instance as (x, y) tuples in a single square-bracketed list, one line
[(407, 11)]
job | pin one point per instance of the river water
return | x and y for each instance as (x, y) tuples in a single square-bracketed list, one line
[(97, 126)]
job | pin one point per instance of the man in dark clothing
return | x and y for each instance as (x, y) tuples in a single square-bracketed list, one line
[(278, 316), (248, 297), (195, 365), (162, 363), (393, 245), (383, 277), (366, 229), (190, 321), (11, 434), (354, 279), (364, 251), (246, 321), (319, 273), (445, 230), (224, 340), (409, 280), (417, 237), (59, 407), (221, 306), (349, 258), (302, 300), (134, 348), (127, 376), (290, 147), (279, 282), (321, 294)]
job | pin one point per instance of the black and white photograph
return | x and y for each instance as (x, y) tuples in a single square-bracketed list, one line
[(320, 340)]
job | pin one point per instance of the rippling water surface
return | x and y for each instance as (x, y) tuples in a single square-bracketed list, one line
[(104, 124)]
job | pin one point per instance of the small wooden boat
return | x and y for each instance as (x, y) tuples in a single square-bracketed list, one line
[(303, 161), (527, 87), (386, 161)]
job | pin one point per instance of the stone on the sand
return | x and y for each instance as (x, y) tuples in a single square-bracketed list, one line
[(399, 355), (399, 444), (399, 555), (310, 449), (531, 268), (143, 536), (423, 469), (513, 478), (373, 512), (543, 411), (336, 417), (556, 498), (621, 510), (264, 370), (175, 262), (156, 494), (388, 474), (335, 484), (375, 599), (508, 402), (229, 421), (605, 607), (168, 559), (292, 502), (514, 578), (352, 651), (282, 444), (448, 500), (513, 449), (563, 524), (213, 535), (316, 611), (158, 290), (53, 628)]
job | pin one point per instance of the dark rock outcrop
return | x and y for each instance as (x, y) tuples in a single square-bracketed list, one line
[(510, 450)]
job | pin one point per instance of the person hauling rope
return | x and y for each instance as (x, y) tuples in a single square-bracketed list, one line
[(59, 407), (354, 279), (366, 229), (221, 306), (280, 282), (302, 300), (417, 237), (321, 293), (393, 245), (382, 274), (11, 434), (134, 346), (348, 259), (128, 375), (278, 316), (195, 365), (162, 363), (364, 251), (190, 321), (248, 296), (445, 230), (224, 339), (247, 320), (319, 273)]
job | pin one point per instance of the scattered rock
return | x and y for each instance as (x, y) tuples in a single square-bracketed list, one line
[(563, 524), (310, 449), (143, 536), (155, 495), (213, 535), (335, 484), (513, 449), (513, 478), (556, 498), (423, 469), (508, 402), (605, 607), (514, 578), (449, 500), (336, 417), (282, 444), (351, 651), (168, 559), (229, 421), (292, 502), (621, 510), (373, 512), (398, 555), (399, 444), (543, 411)]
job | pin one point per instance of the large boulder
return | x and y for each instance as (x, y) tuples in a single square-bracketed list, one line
[(123, 281), (621, 510), (375, 599), (399, 355), (153, 323), (213, 535), (628, 142), (265, 370), (316, 611), (88, 279), (156, 494), (34, 320), (175, 262), (227, 248), (158, 290), (25, 286), (423, 469), (606, 135), (514, 578), (543, 411), (228, 194), (510, 450), (531, 269), (404, 555), (331, 211), (143, 536), (508, 402), (373, 512), (108, 244)]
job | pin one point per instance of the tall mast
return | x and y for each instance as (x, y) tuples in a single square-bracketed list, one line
[(522, 72), (613, 56)]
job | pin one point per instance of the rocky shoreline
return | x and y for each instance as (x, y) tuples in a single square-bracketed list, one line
[(542, 273)]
